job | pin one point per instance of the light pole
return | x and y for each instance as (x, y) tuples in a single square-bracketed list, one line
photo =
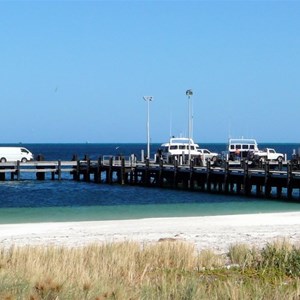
[(189, 94), (148, 99)]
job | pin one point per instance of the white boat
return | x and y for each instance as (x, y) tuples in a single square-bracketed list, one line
[(241, 148), (179, 149)]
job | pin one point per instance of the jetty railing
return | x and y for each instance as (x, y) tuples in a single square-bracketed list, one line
[(129, 161)]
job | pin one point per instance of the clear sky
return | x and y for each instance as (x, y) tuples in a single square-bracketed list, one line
[(77, 71)]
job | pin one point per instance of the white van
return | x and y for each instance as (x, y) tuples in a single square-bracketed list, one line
[(8, 154)]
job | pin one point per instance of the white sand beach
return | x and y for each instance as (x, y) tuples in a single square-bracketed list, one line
[(213, 232)]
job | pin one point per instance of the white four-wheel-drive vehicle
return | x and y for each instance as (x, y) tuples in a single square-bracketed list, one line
[(269, 154), (205, 154)]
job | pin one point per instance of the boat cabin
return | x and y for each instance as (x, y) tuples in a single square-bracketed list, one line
[(241, 148)]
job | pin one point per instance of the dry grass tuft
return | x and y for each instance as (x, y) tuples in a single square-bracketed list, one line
[(207, 259)]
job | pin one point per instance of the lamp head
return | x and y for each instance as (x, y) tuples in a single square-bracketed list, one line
[(148, 98), (189, 93)]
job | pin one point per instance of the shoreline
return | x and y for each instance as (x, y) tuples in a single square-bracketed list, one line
[(217, 233)]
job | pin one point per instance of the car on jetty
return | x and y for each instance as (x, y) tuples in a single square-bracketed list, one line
[(13, 154), (179, 149), (206, 155), (269, 154)]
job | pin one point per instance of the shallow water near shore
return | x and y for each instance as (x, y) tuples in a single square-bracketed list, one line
[(54, 201)]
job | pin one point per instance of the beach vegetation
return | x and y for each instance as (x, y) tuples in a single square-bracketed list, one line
[(163, 270)]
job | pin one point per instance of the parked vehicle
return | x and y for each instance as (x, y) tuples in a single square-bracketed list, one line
[(13, 154), (205, 155), (268, 154)]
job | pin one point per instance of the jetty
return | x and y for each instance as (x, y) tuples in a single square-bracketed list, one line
[(271, 179)]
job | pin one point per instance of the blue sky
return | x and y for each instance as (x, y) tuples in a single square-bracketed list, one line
[(78, 71)]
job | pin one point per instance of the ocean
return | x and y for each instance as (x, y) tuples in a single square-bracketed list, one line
[(29, 200)]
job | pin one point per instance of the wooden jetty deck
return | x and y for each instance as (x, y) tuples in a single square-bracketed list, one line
[(269, 180)]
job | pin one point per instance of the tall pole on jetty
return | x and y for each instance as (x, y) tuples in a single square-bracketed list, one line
[(189, 94), (148, 99)]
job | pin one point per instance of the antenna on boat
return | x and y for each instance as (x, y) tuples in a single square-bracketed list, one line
[(229, 129), (170, 125)]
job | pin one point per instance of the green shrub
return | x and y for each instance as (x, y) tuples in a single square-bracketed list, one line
[(282, 257)]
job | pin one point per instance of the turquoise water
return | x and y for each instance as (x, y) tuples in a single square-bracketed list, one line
[(53, 201), (94, 213)]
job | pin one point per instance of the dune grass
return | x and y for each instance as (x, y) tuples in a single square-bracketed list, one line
[(166, 270)]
